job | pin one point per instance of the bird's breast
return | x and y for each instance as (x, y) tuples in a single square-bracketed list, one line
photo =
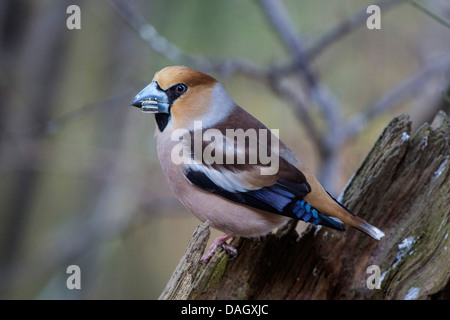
[(223, 214)]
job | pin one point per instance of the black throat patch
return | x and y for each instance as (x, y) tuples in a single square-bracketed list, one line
[(162, 119)]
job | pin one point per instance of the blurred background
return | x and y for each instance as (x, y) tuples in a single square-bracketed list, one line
[(80, 182)]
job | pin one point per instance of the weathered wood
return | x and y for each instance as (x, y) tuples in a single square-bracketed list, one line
[(180, 284), (402, 187)]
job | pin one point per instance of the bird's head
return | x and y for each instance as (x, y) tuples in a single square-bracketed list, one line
[(179, 95)]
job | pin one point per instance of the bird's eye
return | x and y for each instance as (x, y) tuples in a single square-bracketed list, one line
[(181, 88)]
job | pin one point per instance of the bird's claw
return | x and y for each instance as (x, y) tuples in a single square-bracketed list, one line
[(232, 252), (221, 241)]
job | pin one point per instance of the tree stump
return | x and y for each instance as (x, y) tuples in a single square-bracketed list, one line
[(402, 187)]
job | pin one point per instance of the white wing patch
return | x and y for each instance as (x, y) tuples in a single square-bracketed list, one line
[(226, 179)]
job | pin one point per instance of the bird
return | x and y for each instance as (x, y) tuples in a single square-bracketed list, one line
[(239, 193)]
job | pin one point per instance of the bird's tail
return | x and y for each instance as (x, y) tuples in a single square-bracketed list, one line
[(370, 230), (335, 211), (360, 224), (304, 211)]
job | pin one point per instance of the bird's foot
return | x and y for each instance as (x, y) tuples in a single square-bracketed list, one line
[(232, 251), (220, 241)]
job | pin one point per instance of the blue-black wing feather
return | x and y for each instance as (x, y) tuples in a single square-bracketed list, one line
[(283, 197)]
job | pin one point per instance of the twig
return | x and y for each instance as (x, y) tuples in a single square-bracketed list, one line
[(333, 35), (150, 35), (301, 111), (53, 126), (345, 27), (430, 13), (278, 15), (391, 98)]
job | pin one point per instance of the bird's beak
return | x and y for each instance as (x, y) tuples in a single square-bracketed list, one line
[(152, 99)]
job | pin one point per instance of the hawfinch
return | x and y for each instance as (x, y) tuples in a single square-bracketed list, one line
[(215, 158)]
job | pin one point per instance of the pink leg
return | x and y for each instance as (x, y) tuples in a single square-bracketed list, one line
[(220, 241), (257, 239)]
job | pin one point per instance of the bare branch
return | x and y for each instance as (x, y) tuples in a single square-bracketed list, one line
[(430, 13), (301, 111), (278, 15), (53, 126), (331, 36), (391, 98), (345, 27), (150, 35)]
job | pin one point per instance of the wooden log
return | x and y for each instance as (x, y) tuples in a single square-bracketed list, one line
[(402, 187)]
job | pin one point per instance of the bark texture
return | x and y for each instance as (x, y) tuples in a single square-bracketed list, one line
[(402, 187)]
